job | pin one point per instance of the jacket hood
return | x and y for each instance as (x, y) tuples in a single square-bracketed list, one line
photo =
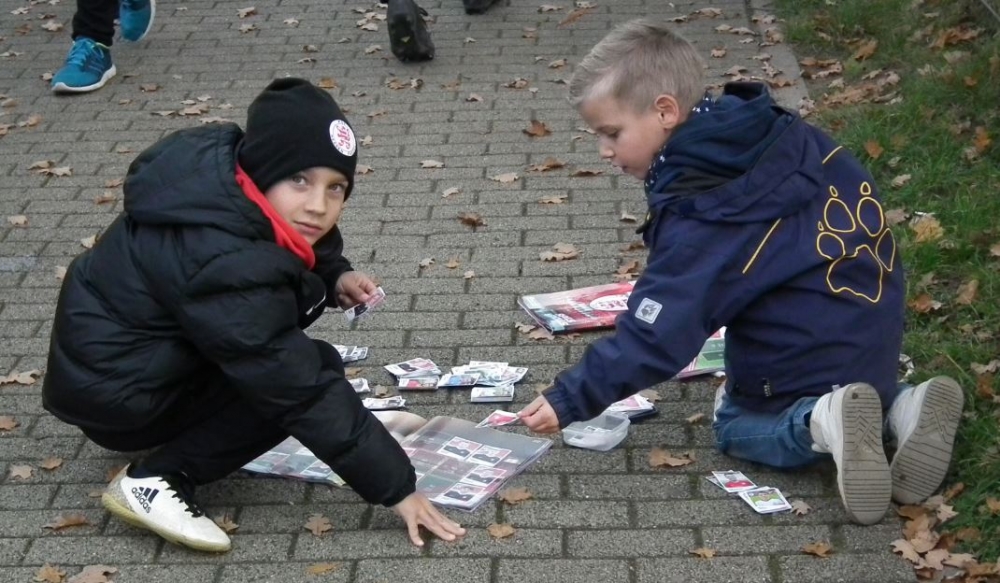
[(189, 178), (743, 160)]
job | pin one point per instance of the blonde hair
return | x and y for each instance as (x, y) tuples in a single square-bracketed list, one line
[(638, 61)]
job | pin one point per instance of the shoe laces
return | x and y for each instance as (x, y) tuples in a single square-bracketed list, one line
[(182, 489), (81, 52)]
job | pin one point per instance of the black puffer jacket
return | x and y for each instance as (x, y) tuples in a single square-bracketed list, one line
[(188, 282)]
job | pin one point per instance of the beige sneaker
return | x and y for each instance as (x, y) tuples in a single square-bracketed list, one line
[(847, 424), (923, 421)]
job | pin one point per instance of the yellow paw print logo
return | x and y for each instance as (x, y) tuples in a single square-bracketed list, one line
[(858, 243)]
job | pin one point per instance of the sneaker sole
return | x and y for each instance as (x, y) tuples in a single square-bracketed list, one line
[(126, 514), (149, 27), (864, 478), (63, 88), (921, 462)]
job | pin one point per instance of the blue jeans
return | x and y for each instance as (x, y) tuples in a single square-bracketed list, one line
[(780, 440)]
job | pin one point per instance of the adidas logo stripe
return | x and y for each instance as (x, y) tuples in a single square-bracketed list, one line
[(145, 497)]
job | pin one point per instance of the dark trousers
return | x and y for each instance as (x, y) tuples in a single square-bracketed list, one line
[(95, 19)]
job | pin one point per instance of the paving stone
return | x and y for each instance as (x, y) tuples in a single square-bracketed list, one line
[(284, 572), (437, 570), (846, 568), (630, 543), (523, 543), (628, 487), (731, 540), (287, 518), (563, 570), (567, 514), (718, 569), (91, 550)]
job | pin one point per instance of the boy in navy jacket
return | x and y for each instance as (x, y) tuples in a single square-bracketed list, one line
[(759, 222), (181, 331)]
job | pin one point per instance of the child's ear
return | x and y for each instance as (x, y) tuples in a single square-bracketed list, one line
[(668, 111)]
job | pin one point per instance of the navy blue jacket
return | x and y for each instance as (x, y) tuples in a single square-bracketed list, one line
[(761, 223)]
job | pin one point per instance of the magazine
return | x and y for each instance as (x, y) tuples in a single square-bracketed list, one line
[(457, 464)]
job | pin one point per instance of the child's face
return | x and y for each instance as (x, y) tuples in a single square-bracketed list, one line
[(627, 138), (310, 201)]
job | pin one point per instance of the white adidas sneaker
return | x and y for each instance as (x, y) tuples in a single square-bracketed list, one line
[(154, 504), (847, 423), (923, 421)]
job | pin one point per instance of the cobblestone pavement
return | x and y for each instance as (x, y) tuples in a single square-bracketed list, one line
[(604, 517)]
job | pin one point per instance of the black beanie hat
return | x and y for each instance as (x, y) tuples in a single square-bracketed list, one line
[(294, 125)]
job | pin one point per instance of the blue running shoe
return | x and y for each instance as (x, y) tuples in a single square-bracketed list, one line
[(88, 67), (136, 18)]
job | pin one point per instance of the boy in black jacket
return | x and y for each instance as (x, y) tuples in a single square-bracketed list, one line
[(759, 222), (182, 329)]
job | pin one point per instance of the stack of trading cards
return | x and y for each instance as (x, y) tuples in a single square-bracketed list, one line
[(355, 312), (351, 353), (459, 380), (394, 402), (634, 404), (498, 394), (360, 385), (492, 374), (766, 500), (415, 367), (499, 418), (732, 481), (428, 383)]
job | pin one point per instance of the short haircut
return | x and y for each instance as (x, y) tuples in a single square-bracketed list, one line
[(638, 61)]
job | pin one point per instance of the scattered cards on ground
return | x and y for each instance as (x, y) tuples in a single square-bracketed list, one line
[(492, 373), (351, 353), (360, 385), (459, 380), (499, 418), (394, 402), (415, 367), (499, 394), (355, 312), (766, 500), (733, 481), (428, 383)]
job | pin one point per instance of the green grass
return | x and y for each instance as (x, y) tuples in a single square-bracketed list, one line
[(963, 195)]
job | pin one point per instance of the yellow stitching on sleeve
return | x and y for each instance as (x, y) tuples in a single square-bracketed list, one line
[(761, 246), (830, 155)]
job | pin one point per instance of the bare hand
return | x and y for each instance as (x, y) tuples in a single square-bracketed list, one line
[(416, 510), (354, 288), (539, 416)]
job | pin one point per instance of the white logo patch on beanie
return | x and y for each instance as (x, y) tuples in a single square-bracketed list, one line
[(342, 137)]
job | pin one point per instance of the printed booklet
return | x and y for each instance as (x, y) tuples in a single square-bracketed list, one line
[(458, 465)]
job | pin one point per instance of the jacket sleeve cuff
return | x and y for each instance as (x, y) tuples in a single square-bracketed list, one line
[(560, 403)]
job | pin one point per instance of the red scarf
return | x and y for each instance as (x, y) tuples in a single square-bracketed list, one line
[(284, 235)]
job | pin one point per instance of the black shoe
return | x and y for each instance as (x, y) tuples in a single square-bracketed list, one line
[(477, 6), (408, 36)]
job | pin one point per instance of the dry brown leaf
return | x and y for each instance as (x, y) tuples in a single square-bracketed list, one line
[(382, 392), (556, 199), (363, 169), (89, 242), (149, 87), (993, 505), (820, 549), (327, 83), (575, 15), (524, 328), (371, 49), (21, 472), (51, 463), (451, 192), (93, 574), (245, 12), (954, 491), (377, 113), (990, 367), (318, 524), (49, 574), (896, 216), (696, 418), (537, 129), (65, 521), (925, 540), (431, 164), (471, 219), (718, 53), (519, 83), (800, 508), (546, 165), (60, 272), (498, 531), (322, 568), (628, 218), (703, 553), (105, 198), (353, 372), (865, 50), (944, 513), (469, 274), (452, 263), (8, 423), (293, 22), (540, 334), (924, 303), (633, 246), (967, 292), (18, 220), (506, 178), (560, 252), (426, 262), (661, 458), (904, 548), (926, 228), (954, 36), (515, 496), (959, 559), (651, 395), (225, 523), (28, 377), (586, 173), (557, 64), (366, 141), (981, 140), (474, 98), (984, 387), (549, 8), (874, 149)]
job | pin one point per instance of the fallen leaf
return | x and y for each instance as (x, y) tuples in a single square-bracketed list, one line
[(945, 512), (651, 395), (967, 292), (820, 549), (990, 367), (426, 262), (471, 219), (901, 180), (926, 228), (546, 165), (537, 129), (371, 49), (60, 272), (906, 550), (524, 328), (924, 303), (575, 15), (93, 574), (452, 85), (560, 252), (874, 149), (369, 26), (148, 87), (245, 12), (89, 242), (105, 198), (515, 496), (981, 140), (21, 472), (18, 220), (959, 559), (586, 173), (32, 121), (8, 423), (505, 178), (382, 392), (225, 523), (327, 83), (718, 53), (660, 458), (696, 418), (540, 334), (451, 192), (498, 531), (865, 50), (293, 22), (49, 574), (993, 505), (628, 218), (633, 246), (474, 98), (318, 524), (60, 171), (896, 216), (51, 463), (65, 521), (557, 64), (468, 40), (549, 8), (953, 492), (703, 553), (353, 372), (431, 164), (519, 83), (556, 199), (452, 263), (925, 540), (322, 568), (469, 274), (800, 508)]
